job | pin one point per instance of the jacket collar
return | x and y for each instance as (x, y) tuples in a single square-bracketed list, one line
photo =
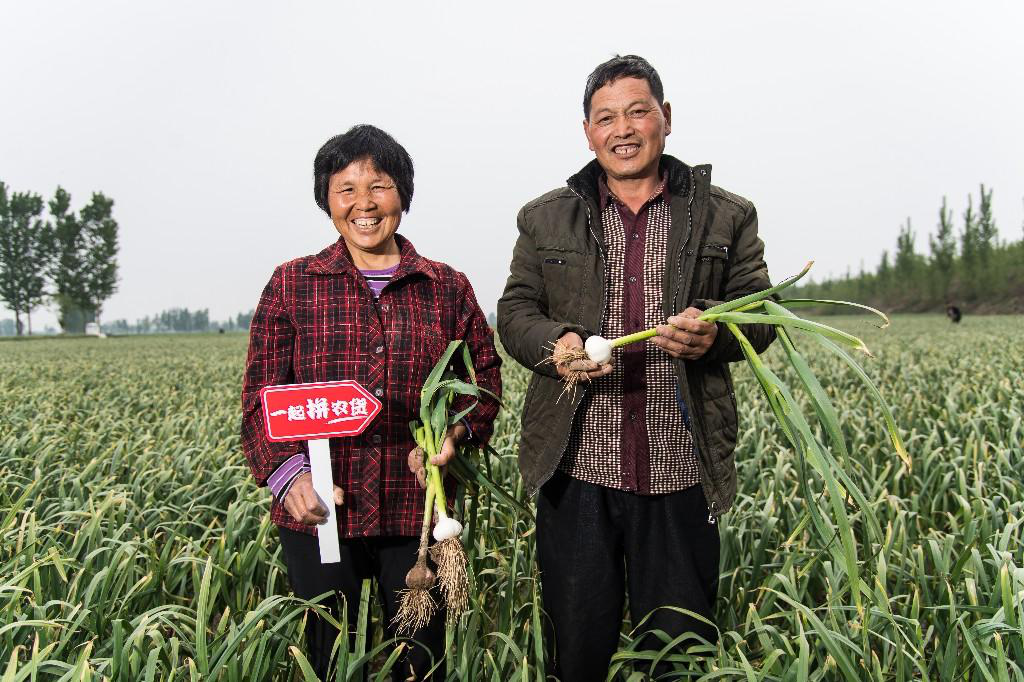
[(585, 182), (336, 260)]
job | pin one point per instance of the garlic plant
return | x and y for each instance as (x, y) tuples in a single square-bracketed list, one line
[(764, 308), (439, 391)]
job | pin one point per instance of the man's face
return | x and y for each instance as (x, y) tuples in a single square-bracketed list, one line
[(627, 128)]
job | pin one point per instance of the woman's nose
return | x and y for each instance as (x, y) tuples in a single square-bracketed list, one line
[(364, 201)]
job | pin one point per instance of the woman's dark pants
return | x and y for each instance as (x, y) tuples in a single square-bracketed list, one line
[(595, 545), (385, 559)]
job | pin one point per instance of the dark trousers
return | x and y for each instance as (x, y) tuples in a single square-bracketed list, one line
[(595, 544), (385, 559)]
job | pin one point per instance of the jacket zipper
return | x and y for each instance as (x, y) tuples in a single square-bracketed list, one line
[(689, 233), (712, 505)]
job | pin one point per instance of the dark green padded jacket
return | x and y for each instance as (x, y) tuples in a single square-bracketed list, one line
[(556, 284)]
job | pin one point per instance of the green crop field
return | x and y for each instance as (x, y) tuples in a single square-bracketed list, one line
[(134, 545)]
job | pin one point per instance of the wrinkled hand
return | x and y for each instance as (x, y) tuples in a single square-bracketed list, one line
[(303, 503), (592, 369), (686, 337), (455, 435)]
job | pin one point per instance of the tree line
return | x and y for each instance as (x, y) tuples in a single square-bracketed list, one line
[(179, 320), (65, 258), (969, 267), (172, 320)]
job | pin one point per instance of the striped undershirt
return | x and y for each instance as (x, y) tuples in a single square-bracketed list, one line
[(378, 279)]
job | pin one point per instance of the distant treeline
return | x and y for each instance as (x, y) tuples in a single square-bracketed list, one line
[(68, 259), (178, 320), (173, 320), (969, 267)]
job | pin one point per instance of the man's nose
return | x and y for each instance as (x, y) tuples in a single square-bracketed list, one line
[(623, 127)]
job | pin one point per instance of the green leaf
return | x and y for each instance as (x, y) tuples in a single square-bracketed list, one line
[(758, 296), (795, 322), (442, 364), (308, 674), (809, 447), (466, 470), (791, 303), (876, 395)]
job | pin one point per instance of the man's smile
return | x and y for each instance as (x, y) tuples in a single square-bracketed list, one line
[(626, 150)]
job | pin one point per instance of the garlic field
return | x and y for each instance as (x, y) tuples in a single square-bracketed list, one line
[(134, 545)]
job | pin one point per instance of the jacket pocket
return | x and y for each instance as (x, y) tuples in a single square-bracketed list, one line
[(562, 284), (712, 272)]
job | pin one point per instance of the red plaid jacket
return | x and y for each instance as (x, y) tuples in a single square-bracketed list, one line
[(317, 320)]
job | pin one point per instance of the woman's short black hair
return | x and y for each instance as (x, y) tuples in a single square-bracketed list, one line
[(628, 66), (362, 142)]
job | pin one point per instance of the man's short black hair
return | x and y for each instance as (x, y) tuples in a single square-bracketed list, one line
[(628, 66), (362, 142)]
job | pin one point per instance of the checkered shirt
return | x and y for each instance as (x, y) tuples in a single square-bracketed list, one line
[(318, 320), (630, 431)]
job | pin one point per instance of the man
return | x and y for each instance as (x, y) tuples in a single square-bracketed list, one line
[(635, 469)]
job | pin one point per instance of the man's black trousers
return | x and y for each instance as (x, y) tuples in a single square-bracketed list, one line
[(596, 544), (385, 559)]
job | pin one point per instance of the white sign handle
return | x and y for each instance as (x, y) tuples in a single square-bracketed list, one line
[(323, 485)]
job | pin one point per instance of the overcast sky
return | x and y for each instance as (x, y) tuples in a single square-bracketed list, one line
[(201, 119)]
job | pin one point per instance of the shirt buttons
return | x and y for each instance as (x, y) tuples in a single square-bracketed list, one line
[(378, 392), (384, 307), (632, 416), (378, 349), (632, 280), (636, 235), (376, 439)]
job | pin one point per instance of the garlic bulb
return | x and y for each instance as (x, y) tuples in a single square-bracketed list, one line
[(447, 527), (599, 349)]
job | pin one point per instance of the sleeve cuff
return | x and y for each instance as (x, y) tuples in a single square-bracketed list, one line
[(281, 480)]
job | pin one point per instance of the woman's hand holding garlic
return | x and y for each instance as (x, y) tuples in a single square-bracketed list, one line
[(456, 434)]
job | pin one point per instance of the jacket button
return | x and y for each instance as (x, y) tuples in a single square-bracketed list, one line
[(632, 280)]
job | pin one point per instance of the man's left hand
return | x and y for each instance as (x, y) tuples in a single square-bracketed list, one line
[(686, 337)]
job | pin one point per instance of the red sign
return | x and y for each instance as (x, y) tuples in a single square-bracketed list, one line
[(310, 411)]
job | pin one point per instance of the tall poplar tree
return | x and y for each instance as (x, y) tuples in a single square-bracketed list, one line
[(23, 253), (943, 251), (99, 230), (84, 265)]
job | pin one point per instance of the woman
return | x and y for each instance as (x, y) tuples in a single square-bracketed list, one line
[(367, 308)]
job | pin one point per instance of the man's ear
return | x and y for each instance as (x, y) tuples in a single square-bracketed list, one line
[(666, 109), (586, 132)]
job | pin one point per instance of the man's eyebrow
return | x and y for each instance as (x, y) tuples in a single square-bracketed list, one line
[(632, 104)]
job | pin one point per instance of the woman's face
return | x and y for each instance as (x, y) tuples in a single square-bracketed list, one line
[(365, 207)]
